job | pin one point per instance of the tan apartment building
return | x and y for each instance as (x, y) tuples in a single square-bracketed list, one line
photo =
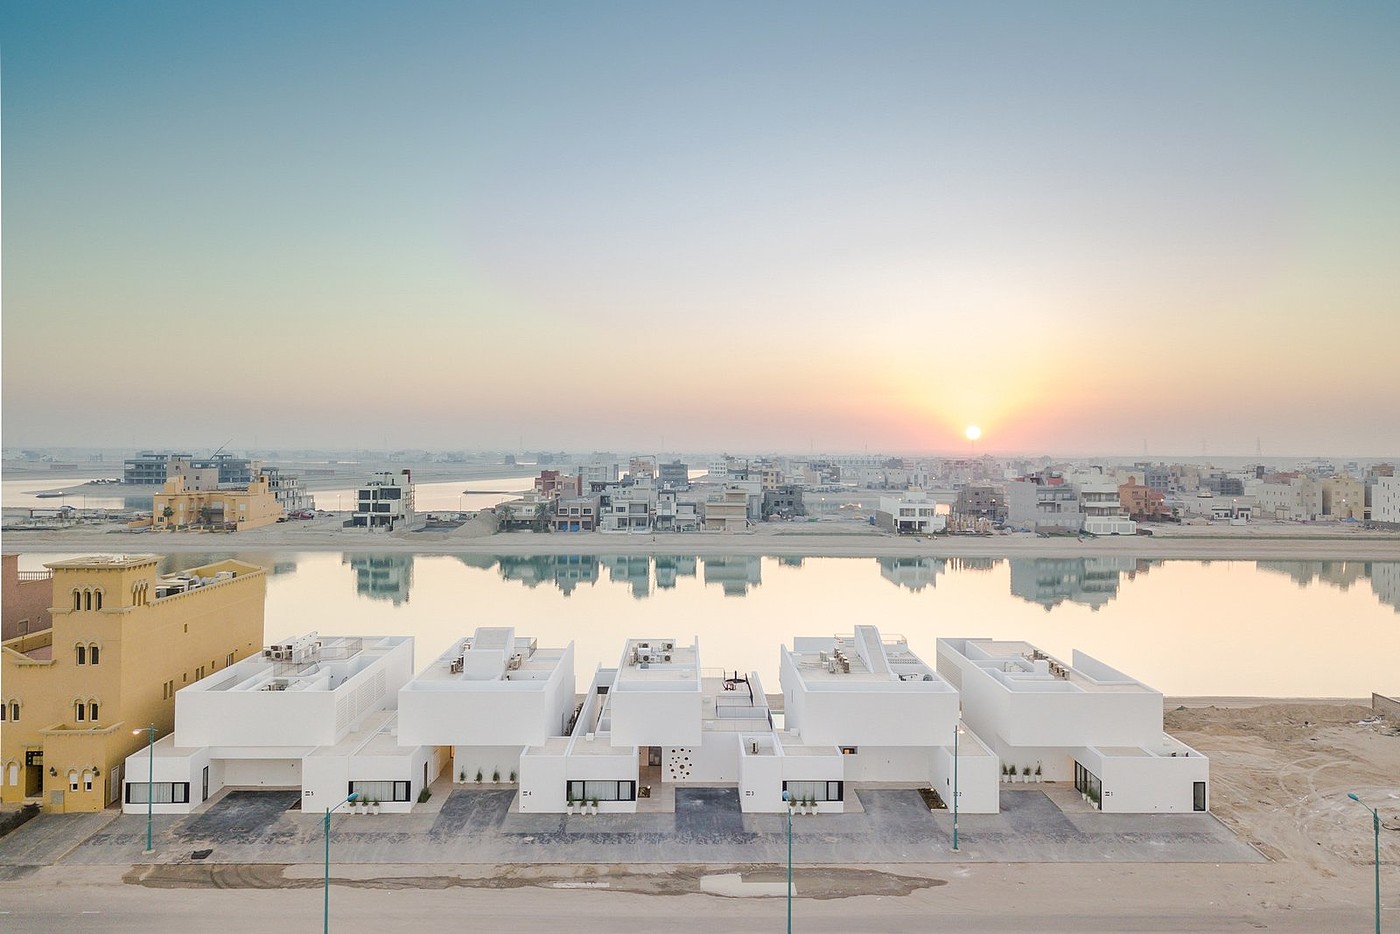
[(177, 505), (124, 639), (24, 603), (1343, 498)]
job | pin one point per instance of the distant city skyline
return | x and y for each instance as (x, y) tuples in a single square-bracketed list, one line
[(1088, 228)]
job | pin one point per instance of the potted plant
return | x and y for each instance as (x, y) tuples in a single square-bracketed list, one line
[(512, 776), (593, 805), (478, 776), (569, 802), (1037, 773), (1004, 774), (374, 805), (462, 776), (496, 777), (1026, 774)]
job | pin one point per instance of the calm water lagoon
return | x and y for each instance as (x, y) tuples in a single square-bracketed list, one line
[(1275, 629)]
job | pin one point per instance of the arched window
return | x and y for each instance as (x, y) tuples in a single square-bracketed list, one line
[(82, 655), (97, 600), (13, 771), (92, 654), (4, 710), (14, 711), (77, 600), (79, 710), (87, 599), (72, 779), (87, 780), (92, 711)]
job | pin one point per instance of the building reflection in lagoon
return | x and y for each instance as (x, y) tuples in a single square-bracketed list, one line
[(1241, 628)]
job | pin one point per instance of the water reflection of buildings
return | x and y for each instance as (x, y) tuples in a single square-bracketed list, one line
[(572, 570), (633, 570), (382, 577), (670, 568), (735, 575), (914, 573), (973, 564), (1384, 576), (1089, 581)]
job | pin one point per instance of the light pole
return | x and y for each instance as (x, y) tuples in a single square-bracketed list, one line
[(956, 731), (787, 796), (326, 907), (150, 778), (1376, 829)]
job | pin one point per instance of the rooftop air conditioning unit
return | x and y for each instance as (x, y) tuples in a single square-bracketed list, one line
[(666, 657), (668, 645)]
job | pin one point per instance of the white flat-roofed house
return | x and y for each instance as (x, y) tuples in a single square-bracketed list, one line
[(488, 697), (313, 713), (1103, 509), (912, 512), (1085, 723), (658, 719), (888, 713)]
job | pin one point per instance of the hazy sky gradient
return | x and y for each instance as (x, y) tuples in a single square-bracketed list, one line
[(1083, 226)]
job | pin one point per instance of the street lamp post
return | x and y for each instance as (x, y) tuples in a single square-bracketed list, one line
[(1376, 829), (150, 778), (787, 796), (956, 731), (326, 900)]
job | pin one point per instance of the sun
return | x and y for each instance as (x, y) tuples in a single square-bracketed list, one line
[(973, 432)]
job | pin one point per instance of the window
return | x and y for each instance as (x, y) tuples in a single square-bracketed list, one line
[(603, 791), (92, 711), (97, 600), (92, 654), (87, 780), (850, 750), (77, 600), (161, 792), (13, 773), (87, 599), (14, 711), (229, 660), (72, 779), (815, 791), (380, 791), (79, 711), (82, 655)]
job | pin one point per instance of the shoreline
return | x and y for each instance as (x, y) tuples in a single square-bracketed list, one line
[(838, 539)]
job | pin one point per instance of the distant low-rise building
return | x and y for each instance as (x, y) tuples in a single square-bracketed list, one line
[(1385, 502), (233, 509), (25, 602), (913, 512), (1343, 497), (1043, 502), (384, 502)]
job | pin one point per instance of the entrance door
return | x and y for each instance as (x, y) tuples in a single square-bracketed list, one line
[(1198, 796), (33, 781)]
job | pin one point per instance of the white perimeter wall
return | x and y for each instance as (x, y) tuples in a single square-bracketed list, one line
[(1148, 784), (489, 759), (650, 715)]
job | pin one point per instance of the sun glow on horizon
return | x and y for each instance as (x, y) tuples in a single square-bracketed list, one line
[(973, 432)]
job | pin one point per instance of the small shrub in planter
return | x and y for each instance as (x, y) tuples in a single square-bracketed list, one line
[(512, 775), (1026, 772), (496, 777), (424, 795), (478, 776), (463, 776)]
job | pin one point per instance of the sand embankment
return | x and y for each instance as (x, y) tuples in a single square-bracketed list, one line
[(839, 537)]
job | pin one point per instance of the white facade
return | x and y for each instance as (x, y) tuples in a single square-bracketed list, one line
[(656, 719), (488, 697), (317, 714), (1385, 501), (913, 512), (889, 714), (385, 501), (1103, 510), (1085, 723)]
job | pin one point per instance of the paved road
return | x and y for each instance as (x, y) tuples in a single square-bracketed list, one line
[(476, 826)]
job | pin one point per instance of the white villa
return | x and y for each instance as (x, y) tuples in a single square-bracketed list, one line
[(488, 697), (889, 715), (316, 714), (659, 720), (1086, 723)]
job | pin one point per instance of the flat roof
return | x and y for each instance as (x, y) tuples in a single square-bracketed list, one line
[(1020, 666), (658, 661), (337, 659), (846, 659), (493, 654)]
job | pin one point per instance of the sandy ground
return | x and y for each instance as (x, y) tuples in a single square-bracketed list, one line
[(834, 537), (1280, 771)]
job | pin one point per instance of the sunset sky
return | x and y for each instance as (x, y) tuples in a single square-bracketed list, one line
[(1085, 227)]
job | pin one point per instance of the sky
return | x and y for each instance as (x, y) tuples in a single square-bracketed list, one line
[(1084, 227)]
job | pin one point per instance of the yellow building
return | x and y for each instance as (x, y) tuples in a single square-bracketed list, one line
[(124, 639), (179, 506)]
